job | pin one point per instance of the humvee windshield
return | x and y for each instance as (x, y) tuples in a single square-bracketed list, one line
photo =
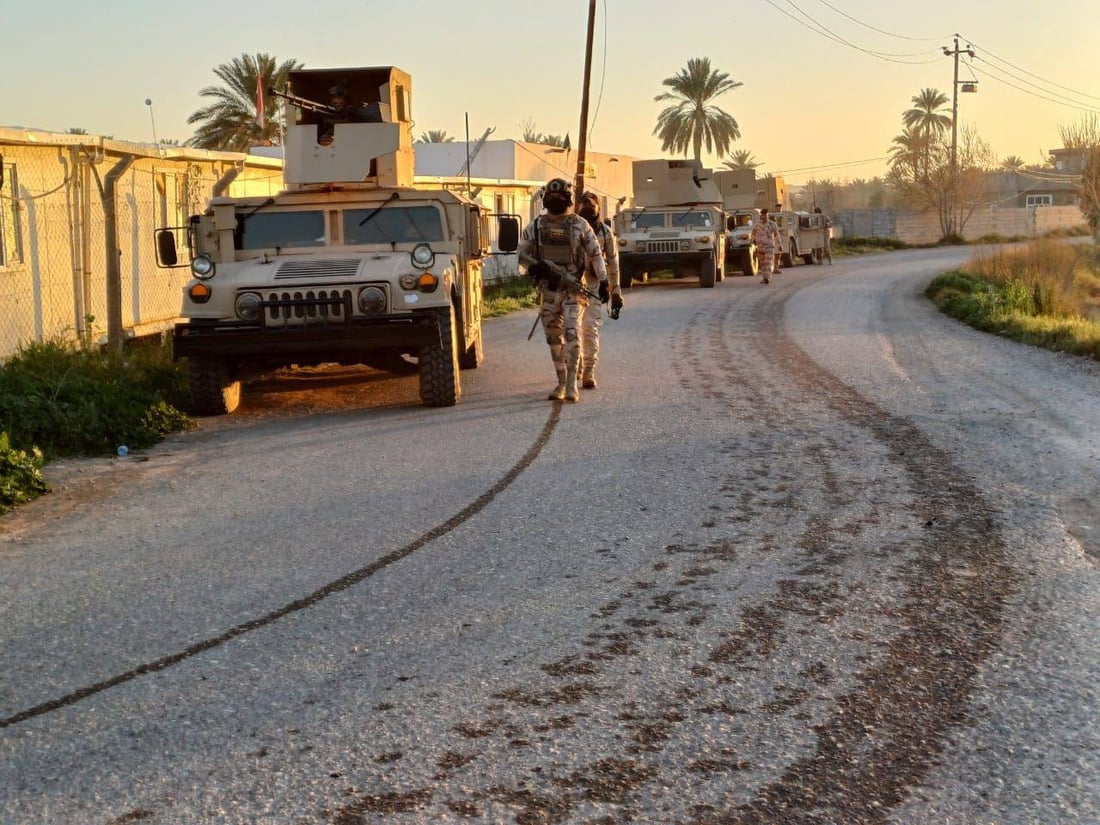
[(692, 219), (285, 230), (393, 224)]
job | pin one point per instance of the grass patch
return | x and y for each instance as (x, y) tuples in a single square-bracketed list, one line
[(1046, 294), (509, 295), (859, 246), (59, 400)]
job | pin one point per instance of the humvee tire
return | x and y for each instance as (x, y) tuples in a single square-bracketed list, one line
[(750, 263), (213, 391), (438, 365), (706, 271)]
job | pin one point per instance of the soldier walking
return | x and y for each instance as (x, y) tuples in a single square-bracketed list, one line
[(764, 235), (607, 289), (558, 247)]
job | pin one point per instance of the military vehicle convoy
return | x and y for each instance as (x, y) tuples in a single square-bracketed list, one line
[(349, 264), (676, 224), (743, 196)]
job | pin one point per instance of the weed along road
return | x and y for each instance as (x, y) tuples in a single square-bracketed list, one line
[(811, 553)]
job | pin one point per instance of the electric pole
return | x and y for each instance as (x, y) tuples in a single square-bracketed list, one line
[(578, 184), (955, 120)]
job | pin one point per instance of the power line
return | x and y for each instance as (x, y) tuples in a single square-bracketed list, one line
[(818, 28), (832, 165), (1032, 74), (880, 31), (1029, 92)]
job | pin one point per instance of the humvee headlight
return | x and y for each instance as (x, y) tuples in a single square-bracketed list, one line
[(422, 256), (248, 306), (622, 241), (703, 239), (202, 267), (199, 293), (428, 282), (685, 246), (372, 300), (409, 280)]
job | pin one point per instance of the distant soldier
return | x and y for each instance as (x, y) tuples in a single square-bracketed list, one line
[(608, 289), (779, 245), (827, 231), (558, 247), (765, 233)]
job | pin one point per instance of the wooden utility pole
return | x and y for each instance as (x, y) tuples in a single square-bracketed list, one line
[(578, 183), (955, 124)]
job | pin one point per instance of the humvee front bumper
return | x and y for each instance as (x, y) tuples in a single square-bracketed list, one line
[(245, 340)]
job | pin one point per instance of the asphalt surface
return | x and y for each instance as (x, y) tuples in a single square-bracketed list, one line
[(811, 553)]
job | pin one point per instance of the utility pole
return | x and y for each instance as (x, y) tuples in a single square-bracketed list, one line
[(955, 121), (578, 184)]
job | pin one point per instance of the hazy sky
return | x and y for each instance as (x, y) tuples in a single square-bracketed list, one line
[(810, 106)]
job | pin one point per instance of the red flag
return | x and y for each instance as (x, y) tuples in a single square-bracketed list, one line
[(260, 101)]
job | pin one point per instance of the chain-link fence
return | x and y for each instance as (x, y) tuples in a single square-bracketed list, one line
[(54, 234)]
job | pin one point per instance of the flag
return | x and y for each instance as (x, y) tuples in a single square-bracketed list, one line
[(260, 102)]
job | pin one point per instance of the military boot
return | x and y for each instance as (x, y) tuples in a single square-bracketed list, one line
[(558, 393), (571, 392), (588, 378)]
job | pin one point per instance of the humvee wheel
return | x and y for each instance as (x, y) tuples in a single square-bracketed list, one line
[(471, 354), (213, 391), (706, 271), (750, 263), (438, 365), (626, 277)]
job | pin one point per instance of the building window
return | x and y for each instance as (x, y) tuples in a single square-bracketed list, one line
[(11, 238), (1040, 200)]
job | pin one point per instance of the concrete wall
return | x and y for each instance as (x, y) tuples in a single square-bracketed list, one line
[(924, 227)]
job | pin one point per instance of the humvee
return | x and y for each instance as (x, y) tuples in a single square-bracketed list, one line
[(677, 224), (349, 264)]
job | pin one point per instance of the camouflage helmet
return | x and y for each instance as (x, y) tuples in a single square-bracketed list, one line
[(592, 198), (558, 190)]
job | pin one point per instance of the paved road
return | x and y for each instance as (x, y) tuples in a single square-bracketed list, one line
[(811, 553)]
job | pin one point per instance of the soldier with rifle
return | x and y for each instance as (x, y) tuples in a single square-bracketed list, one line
[(557, 248)]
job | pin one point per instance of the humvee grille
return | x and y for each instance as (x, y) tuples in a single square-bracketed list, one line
[(311, 268), (662, 246), (304, 306)]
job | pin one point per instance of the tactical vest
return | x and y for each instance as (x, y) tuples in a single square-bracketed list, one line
[(555, 242)]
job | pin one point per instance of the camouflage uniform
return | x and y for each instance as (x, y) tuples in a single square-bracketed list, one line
[(593, 313), (778, 245), (568, 241), (764, 237)]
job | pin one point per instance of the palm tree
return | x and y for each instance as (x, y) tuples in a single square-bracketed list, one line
[(907, 152), (692, 122), (927, 116), (436, 136), (1013, 163), (230, 122), (741, 159)]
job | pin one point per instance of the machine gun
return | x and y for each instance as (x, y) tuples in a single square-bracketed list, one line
[(305, 103)]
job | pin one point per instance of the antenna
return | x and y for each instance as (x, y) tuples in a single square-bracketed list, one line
[(152, 120)]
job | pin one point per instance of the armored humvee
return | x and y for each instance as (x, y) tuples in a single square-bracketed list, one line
[(676, 224), (349, 264)]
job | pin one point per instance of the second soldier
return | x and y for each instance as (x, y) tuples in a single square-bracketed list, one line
[(558, 247)]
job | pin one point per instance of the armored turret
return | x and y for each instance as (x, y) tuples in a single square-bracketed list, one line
[(348, 126), (664, 182)]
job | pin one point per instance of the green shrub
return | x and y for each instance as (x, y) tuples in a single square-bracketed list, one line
[(20, 475), (69, 401)]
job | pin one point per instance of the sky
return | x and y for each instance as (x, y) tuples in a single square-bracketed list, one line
[(825, 82)]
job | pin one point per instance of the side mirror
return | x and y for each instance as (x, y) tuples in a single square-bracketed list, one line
[(507, 233), (166, 248)]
